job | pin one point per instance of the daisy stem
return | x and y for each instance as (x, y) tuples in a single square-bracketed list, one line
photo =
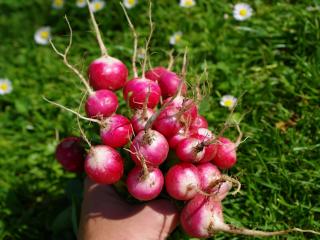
[(103, 48)]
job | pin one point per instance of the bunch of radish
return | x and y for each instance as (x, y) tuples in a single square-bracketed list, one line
[(163, 119)]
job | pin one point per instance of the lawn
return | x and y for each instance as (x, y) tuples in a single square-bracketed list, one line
[(272, 60)]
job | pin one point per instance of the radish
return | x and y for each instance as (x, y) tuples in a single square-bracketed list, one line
[(182, 181), (186, 106), (105, 72), (208, 173), (70, 153), (104, 164), (199, 122), (167, 123), (139, 90), (177, 138), (140, 119), (202, 134), (155, 73), (149, 146), (203, 218), (224, 153), (144, 186), (169, 83), (116, 131), (101, 103), (188, 150)]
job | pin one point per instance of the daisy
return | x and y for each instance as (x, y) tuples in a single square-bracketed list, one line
[(175, 38), (141, 52), (187, 3), (242, 11), (228, 101), (130, 3), (5, 86), (57, 4), (97, 5), (43, 35), (81, 3)]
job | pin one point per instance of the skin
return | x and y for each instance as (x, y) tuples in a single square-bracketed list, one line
[(105, 215)]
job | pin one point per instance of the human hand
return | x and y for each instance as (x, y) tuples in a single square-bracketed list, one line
[(105, 215)]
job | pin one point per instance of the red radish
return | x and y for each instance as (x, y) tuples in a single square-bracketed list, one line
[(137, 90), (101, 103), (199, 122), (104, 164), (145, 186), (208, 173), (169, 84), (116, 131), (107, 73), (202, 134), (70, 153), (186, 105), (188, 150), (151, 146), (177, 138), (201, 216), (167, 122), (224, 153), (182, 181), (140, 118), (155, 73)]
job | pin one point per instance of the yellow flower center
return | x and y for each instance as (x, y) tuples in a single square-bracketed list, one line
[(97, 6), (188, 3), (44, 34), (243, 12), (81, 1), (131, 2), (228, 103), (4, 87), (58, 3), (178, 38)]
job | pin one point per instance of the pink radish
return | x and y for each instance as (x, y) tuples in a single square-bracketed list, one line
[(70, 153), (224, 153), (182, 181), (155, 73), (208, 174), (150, 146), (188, 150), (105, 72), (140, 118), (177, 138), (203, 218), (169, 83), (187, 106), (104, 164), (101, 103), (202, 134), (138, 90), (116, 131), (168, 122), (144, 186), (199, 122)]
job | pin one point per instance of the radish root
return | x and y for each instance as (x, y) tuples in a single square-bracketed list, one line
[(66, 62)]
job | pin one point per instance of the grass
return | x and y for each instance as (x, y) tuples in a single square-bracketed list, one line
[(273, 59)]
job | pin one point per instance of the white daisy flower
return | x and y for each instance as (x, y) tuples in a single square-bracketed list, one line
[(228, 101), (57, 4), (242, 11), (187, 3), (130, 3), (175, 38), (97, 5), (5, 86), (141, 52), (43, 35), (81, 3)]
